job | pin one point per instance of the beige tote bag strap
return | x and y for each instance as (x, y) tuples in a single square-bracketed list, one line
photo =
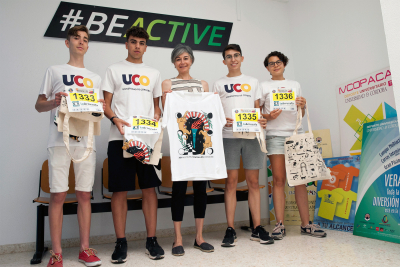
[(89, 147), (299, 119), (261, 141)]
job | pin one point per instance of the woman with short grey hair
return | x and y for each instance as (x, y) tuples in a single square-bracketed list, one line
[(179, 50), (182, 57)]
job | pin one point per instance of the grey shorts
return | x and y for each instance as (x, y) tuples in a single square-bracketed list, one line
[(252, 156), (275, 144)]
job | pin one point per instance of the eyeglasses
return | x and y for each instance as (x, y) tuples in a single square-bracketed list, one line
[(236, 56), (278, 63)]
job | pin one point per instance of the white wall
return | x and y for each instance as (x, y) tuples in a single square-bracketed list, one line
[(334, 41), (25, 54), (391, 20)]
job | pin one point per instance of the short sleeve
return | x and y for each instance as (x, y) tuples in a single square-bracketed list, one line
[(157, 91), (300, 92), (108, 82), (101, 95), (220, 109), (166, 111), (353, 195), (258, 92), (215, 88), (47, 88), (263, 96), (339, 197)]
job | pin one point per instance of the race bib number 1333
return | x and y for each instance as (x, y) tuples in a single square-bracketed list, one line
[(83, 99)]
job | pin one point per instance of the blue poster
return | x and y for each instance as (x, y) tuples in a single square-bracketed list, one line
[(336, 198), (377, 208)]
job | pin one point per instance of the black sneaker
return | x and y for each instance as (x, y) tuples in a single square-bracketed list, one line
[(153, 249), (229, 238), (259, 234), (120, 252)]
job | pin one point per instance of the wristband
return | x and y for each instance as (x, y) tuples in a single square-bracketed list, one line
[(112, 119)]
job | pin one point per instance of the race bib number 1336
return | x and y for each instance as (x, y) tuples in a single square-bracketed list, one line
[(283, 98)]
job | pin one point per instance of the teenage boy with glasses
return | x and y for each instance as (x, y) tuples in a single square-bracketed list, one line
[(135, 89), (232, 97)]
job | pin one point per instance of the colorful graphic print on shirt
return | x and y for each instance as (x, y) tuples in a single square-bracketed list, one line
[(138, 149), (195, 131)]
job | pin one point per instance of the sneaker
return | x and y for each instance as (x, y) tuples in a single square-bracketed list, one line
[(55, 260), (279, 231), (89, 258), (153, 249), (229, 238), (259, 234), (312, 230), (120, 252)]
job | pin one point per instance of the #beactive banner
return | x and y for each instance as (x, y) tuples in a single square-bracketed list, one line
[(336, 198), (110, 24), (377, 208), (368, 98)]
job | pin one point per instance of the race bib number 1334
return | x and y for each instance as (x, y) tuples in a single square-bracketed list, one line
[(143, 125)]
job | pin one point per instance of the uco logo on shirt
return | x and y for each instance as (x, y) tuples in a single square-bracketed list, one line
[(78, 80), (135, 79), (230, 88)]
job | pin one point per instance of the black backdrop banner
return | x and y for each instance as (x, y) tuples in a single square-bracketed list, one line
[(110, 24)]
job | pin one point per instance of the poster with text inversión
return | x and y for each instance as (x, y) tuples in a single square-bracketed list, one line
[(365, 99), (336, 198), (377, 208)]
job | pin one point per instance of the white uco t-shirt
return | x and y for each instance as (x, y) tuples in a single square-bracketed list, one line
[(134, 87), (55, 80), (285, 123), (195, 122), (236, 92)]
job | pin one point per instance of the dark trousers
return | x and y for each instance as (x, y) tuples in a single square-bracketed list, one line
[(178, 199)]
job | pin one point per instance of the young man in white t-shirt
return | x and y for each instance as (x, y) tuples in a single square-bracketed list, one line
[(51, 91), (135, 89), (240, 91)]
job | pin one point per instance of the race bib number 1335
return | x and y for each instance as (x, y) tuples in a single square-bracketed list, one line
[(246, 120)]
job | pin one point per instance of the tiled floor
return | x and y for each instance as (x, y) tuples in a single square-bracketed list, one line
[(338, 249)]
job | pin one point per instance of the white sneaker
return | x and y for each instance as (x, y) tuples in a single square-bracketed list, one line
[(279, 231), (312, 230)]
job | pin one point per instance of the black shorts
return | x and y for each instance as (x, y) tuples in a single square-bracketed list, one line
[(122, 171)]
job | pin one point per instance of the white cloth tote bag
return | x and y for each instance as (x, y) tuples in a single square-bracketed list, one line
[(304, 163), (78, 124)]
